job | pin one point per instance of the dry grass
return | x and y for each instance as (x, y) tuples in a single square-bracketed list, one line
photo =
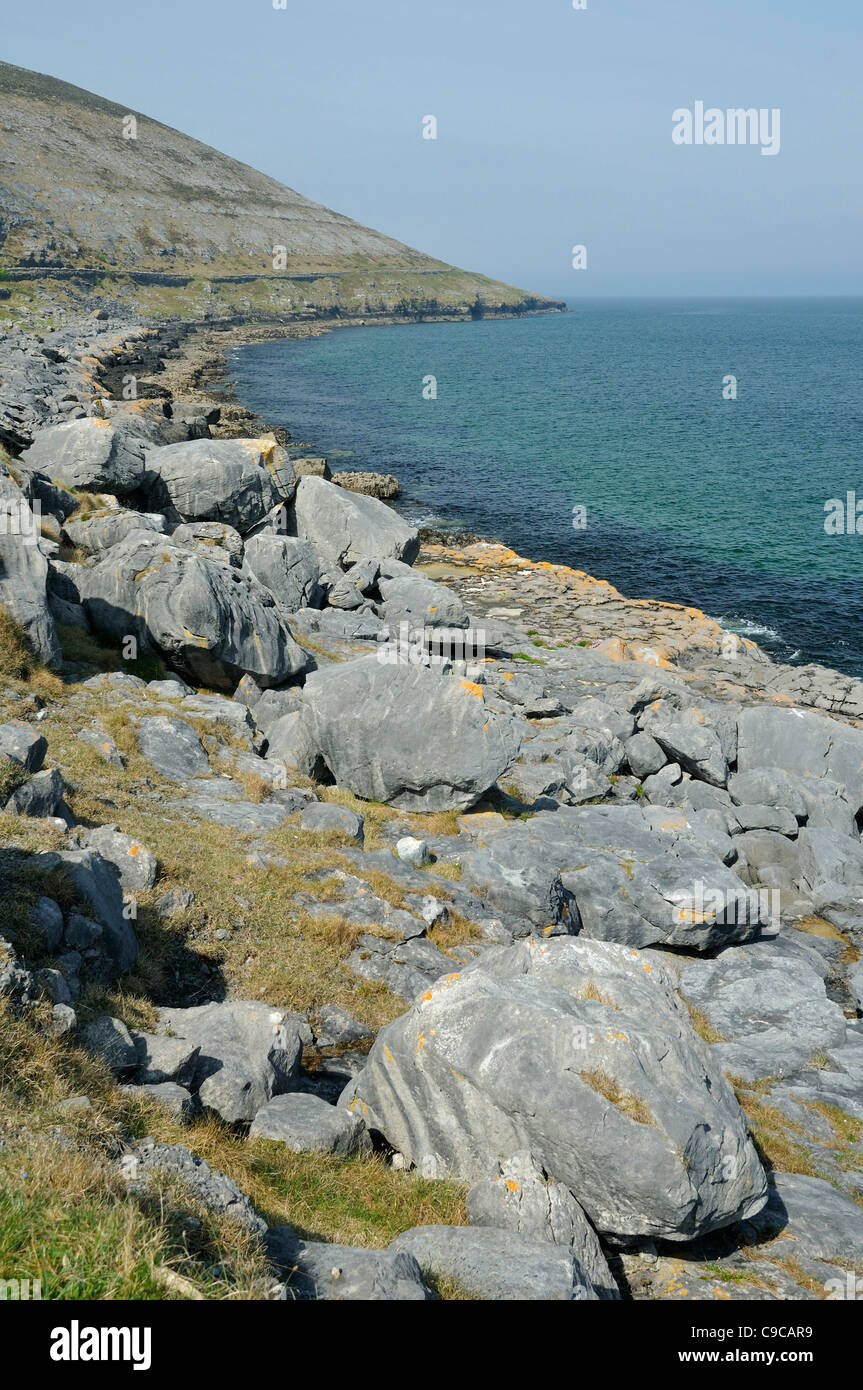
[(701, 1023), (776, 1138), (631, 1105), (591, 991), (274, 949), (66, 1217), (20, 672)]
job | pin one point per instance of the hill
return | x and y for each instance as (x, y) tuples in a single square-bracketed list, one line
[(165, 222)]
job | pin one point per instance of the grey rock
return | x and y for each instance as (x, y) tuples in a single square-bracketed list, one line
[(630, 881), (338, 1026), (213, 1189), (422, 603), (344, 594), (807, 745), (433, 912), (208, 620), (808, 1218), (161, 1058), (63, 1020), (243, 815), (105, 529), (346, 527), (53, 984), (591, 713), (173, 747), (497, 1265), (89, 454), (248, 1053), (696, 747), (99, 884), (16, 981), (46, 919), (306, 1124), (176, 1099), (82, 933), (770, 1004), (408, 968), (768, 786), (42, 796), (236, 481), (272, 705), (174, 901), (136, 865), (518, 1197), (644, 755), (342, 1273), (777, 818), (413, 851), (328, 816), (110, 1039), (173, 687), (104, 744), (827, 857), (23, 745), (508, 876), (444, 748), (24, 579), (615, 1096), (213, 540), (288, 567), (291, 743)]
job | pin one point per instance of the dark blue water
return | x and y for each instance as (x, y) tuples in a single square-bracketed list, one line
[(618, 407)]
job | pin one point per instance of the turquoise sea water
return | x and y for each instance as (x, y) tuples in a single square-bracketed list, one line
[(617, 407)]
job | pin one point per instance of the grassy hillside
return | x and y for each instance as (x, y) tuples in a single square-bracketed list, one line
[(77, 196)]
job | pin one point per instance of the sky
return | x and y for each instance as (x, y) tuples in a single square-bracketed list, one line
[(554, 125)]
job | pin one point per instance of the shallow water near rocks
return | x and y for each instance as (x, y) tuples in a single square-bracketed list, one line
[(617, 406)]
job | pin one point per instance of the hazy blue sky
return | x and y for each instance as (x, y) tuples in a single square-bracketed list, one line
[(554, 124)]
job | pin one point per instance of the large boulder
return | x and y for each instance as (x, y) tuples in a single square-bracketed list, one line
[(635, 877), (807, 745), (99, 884), (288, 567), (346, 527), (104, 529), (212, 623), (407, 735), (581, 1053), (769, 1004), (247, 1053), (24, 575), (89, 454), (421, 602), (232, 480)]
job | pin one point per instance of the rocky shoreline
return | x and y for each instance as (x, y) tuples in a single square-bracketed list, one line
[(418, 858)]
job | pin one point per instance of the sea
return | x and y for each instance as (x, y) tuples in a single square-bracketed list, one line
[(704, 452)]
